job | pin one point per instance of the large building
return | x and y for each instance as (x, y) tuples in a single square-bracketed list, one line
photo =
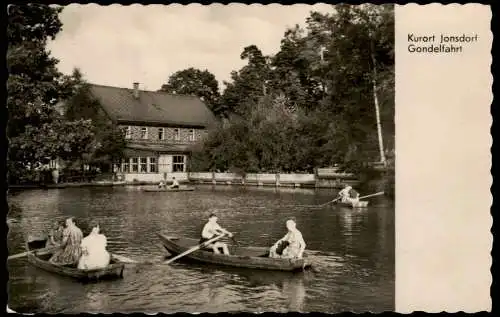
[(159, 128)]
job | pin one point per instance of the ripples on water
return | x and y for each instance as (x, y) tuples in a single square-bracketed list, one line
[(353, 251)]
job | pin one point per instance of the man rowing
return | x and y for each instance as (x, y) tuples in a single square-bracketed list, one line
[(70, 251), (348, 195), (291, 246), (210, 231)]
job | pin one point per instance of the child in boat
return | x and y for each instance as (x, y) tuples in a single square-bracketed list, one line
[(55, 235), (175, 183), (292, 245), (161, 185), (210, 231), (94, 253), (71, 250)]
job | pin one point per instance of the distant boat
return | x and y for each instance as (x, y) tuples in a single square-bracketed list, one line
[(359, 204), (180, 189)]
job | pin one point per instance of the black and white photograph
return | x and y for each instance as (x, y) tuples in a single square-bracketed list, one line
[(201, 158)]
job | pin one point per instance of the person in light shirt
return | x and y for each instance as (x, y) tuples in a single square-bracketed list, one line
[(175, 183), (94, 253), (291, 246), (210, 231)]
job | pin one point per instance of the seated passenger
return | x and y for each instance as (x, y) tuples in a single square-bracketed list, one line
[(291, 246), (94, 253)]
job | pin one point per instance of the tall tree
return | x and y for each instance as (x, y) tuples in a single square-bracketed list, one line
[(196, 82), (247, 85), (33, 85), (108, 139)]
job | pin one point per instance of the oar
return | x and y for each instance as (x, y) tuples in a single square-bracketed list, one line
[(371, 195), (20, 255), (124, 259), (193, 249), (332, 201)]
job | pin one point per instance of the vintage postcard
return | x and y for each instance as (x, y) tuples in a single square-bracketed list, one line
[(249, 158)]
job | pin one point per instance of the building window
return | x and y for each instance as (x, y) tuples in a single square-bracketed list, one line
[(144, 164), (152, 165), (144, 133), (178, 163), (128, 132), (125, 166), (192, 135), (161, 134), (134, 166), (177, 134)]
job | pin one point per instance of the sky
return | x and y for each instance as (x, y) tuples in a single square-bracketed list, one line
[(117, 45)]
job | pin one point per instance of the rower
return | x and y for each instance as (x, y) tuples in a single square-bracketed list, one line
[(175, 183), (349, 195), (161, 185), (210, 231), (71, 249)]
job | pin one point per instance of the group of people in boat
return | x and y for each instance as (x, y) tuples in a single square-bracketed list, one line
[(291, 246), (73, 249), (163, 185)]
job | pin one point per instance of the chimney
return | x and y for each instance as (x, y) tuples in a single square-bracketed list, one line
[(136, 90)]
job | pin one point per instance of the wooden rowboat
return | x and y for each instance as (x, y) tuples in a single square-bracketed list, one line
[(243, 257), (359, 204), (180, 189), (40, 259)]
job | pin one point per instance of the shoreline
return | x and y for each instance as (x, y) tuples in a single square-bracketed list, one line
[(119, 184)]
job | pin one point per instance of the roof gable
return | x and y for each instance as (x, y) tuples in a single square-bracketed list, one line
[(152, 107)]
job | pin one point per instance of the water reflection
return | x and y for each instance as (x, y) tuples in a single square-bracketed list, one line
[(353, 251)]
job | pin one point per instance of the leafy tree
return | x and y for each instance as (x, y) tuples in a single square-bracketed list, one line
[(325, 77), (34, 84), (247, 85), (108, 139), (193, 81)]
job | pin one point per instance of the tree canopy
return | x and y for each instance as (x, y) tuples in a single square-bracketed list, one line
[(195, 82), (36, 127), (325, 80)]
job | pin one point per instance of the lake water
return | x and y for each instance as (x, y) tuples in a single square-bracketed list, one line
[(352, 250)]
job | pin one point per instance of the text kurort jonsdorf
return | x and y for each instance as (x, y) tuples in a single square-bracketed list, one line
[(442, 43)]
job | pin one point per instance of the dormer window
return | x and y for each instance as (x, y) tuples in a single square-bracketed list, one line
[(192, 135), (161, 134), (177, 134), (128, 132), (144, 133)]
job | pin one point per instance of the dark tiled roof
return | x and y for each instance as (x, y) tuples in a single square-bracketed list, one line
[(152, 107)]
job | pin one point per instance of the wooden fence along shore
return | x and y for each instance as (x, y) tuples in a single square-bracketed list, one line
[(322, 178)]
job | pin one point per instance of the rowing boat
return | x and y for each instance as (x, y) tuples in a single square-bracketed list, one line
[(41, 258), (358, 204), (180, 189), (244, 257)]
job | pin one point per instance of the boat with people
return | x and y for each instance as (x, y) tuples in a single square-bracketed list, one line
[(354, 204), (39, 255), (166, 189), (243, 257)]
